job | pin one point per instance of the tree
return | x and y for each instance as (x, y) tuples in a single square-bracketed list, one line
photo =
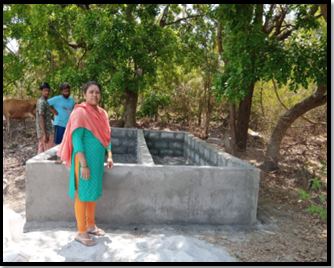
[(318, 98), (309, 58), (116, 45), (200, 57), (13, 65), (254, 46), (240, 52)]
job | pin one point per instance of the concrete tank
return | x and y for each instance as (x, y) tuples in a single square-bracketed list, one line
[(215, 188)]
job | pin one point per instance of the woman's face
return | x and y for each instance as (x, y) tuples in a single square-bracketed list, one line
[(93, 95)]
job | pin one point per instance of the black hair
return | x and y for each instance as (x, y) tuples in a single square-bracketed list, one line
[(44, 85), (65, 85), (86, 86)]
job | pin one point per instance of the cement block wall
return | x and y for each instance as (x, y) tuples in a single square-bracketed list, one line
[(185, 144), (201, 153), (124, 145), (145, 193), (144, 155), (164, 142)]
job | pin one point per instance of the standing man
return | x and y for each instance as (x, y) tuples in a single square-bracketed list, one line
[(43, 120), (64, 105)]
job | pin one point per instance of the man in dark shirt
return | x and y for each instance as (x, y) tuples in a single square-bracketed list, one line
[(44, 125)]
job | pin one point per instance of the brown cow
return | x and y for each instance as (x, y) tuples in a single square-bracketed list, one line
[(19, 109)]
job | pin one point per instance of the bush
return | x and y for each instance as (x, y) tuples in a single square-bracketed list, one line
[(153, 103)]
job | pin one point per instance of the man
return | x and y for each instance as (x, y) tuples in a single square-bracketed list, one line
[(64, 105), (43, 120)]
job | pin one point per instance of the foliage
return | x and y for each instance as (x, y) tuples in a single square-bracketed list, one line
[(304, 194), (111, 43), (252, 54), (106, 43), (316, 186), (266, 108), (316, 210), (153, 103)]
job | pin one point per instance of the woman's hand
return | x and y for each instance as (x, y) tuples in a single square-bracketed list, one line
[(85, 173), (110, 164)]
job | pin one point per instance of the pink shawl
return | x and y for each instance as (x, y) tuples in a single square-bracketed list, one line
[(84, 116)]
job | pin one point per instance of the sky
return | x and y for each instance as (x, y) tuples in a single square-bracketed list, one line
[(13, 45)]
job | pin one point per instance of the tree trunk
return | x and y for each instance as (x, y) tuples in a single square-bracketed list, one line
[(323, 8), (130, 107), (318, 98), (189, 110), (208, 107), (52, 62), (206, 122), (243, 119), (219, 38), (199, 116), (232, 129), (128, 119)]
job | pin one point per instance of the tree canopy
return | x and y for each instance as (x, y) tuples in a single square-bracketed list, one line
[(152, 49), (262, 42)]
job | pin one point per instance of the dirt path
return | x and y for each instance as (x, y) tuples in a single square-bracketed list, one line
[(284, 233)]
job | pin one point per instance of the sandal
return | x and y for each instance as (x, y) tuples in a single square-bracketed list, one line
[(98, 232), (58, 161), (81, 240)]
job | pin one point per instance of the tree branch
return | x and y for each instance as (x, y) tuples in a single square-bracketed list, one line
[(219, 38), (129, 16), (323, 8), (10, 83), (164, 16), (265, 25), (81, 59), (286, 34), (270, 24), (82, 43), (177, 21), (279, 25), (306, 119)]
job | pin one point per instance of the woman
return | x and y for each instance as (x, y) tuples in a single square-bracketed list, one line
[(86, 138)]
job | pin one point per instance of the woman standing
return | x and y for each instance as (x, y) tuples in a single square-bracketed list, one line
[(85, 141)]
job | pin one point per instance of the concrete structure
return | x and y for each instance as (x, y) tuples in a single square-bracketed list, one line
[(124, 145), (217, 189)]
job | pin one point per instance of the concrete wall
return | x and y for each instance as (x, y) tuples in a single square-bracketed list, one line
[(124, 145), (146, 193), (144, 155), (164, 142), (201, 153)]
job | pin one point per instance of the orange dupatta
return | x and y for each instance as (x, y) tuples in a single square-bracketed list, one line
[(84, 116)]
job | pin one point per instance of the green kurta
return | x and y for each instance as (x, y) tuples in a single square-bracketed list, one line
[(84, 141)]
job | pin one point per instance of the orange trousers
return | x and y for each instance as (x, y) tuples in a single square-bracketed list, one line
[(84, 211)]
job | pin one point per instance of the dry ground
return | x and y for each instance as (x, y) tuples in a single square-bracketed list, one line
[(285, 231)]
